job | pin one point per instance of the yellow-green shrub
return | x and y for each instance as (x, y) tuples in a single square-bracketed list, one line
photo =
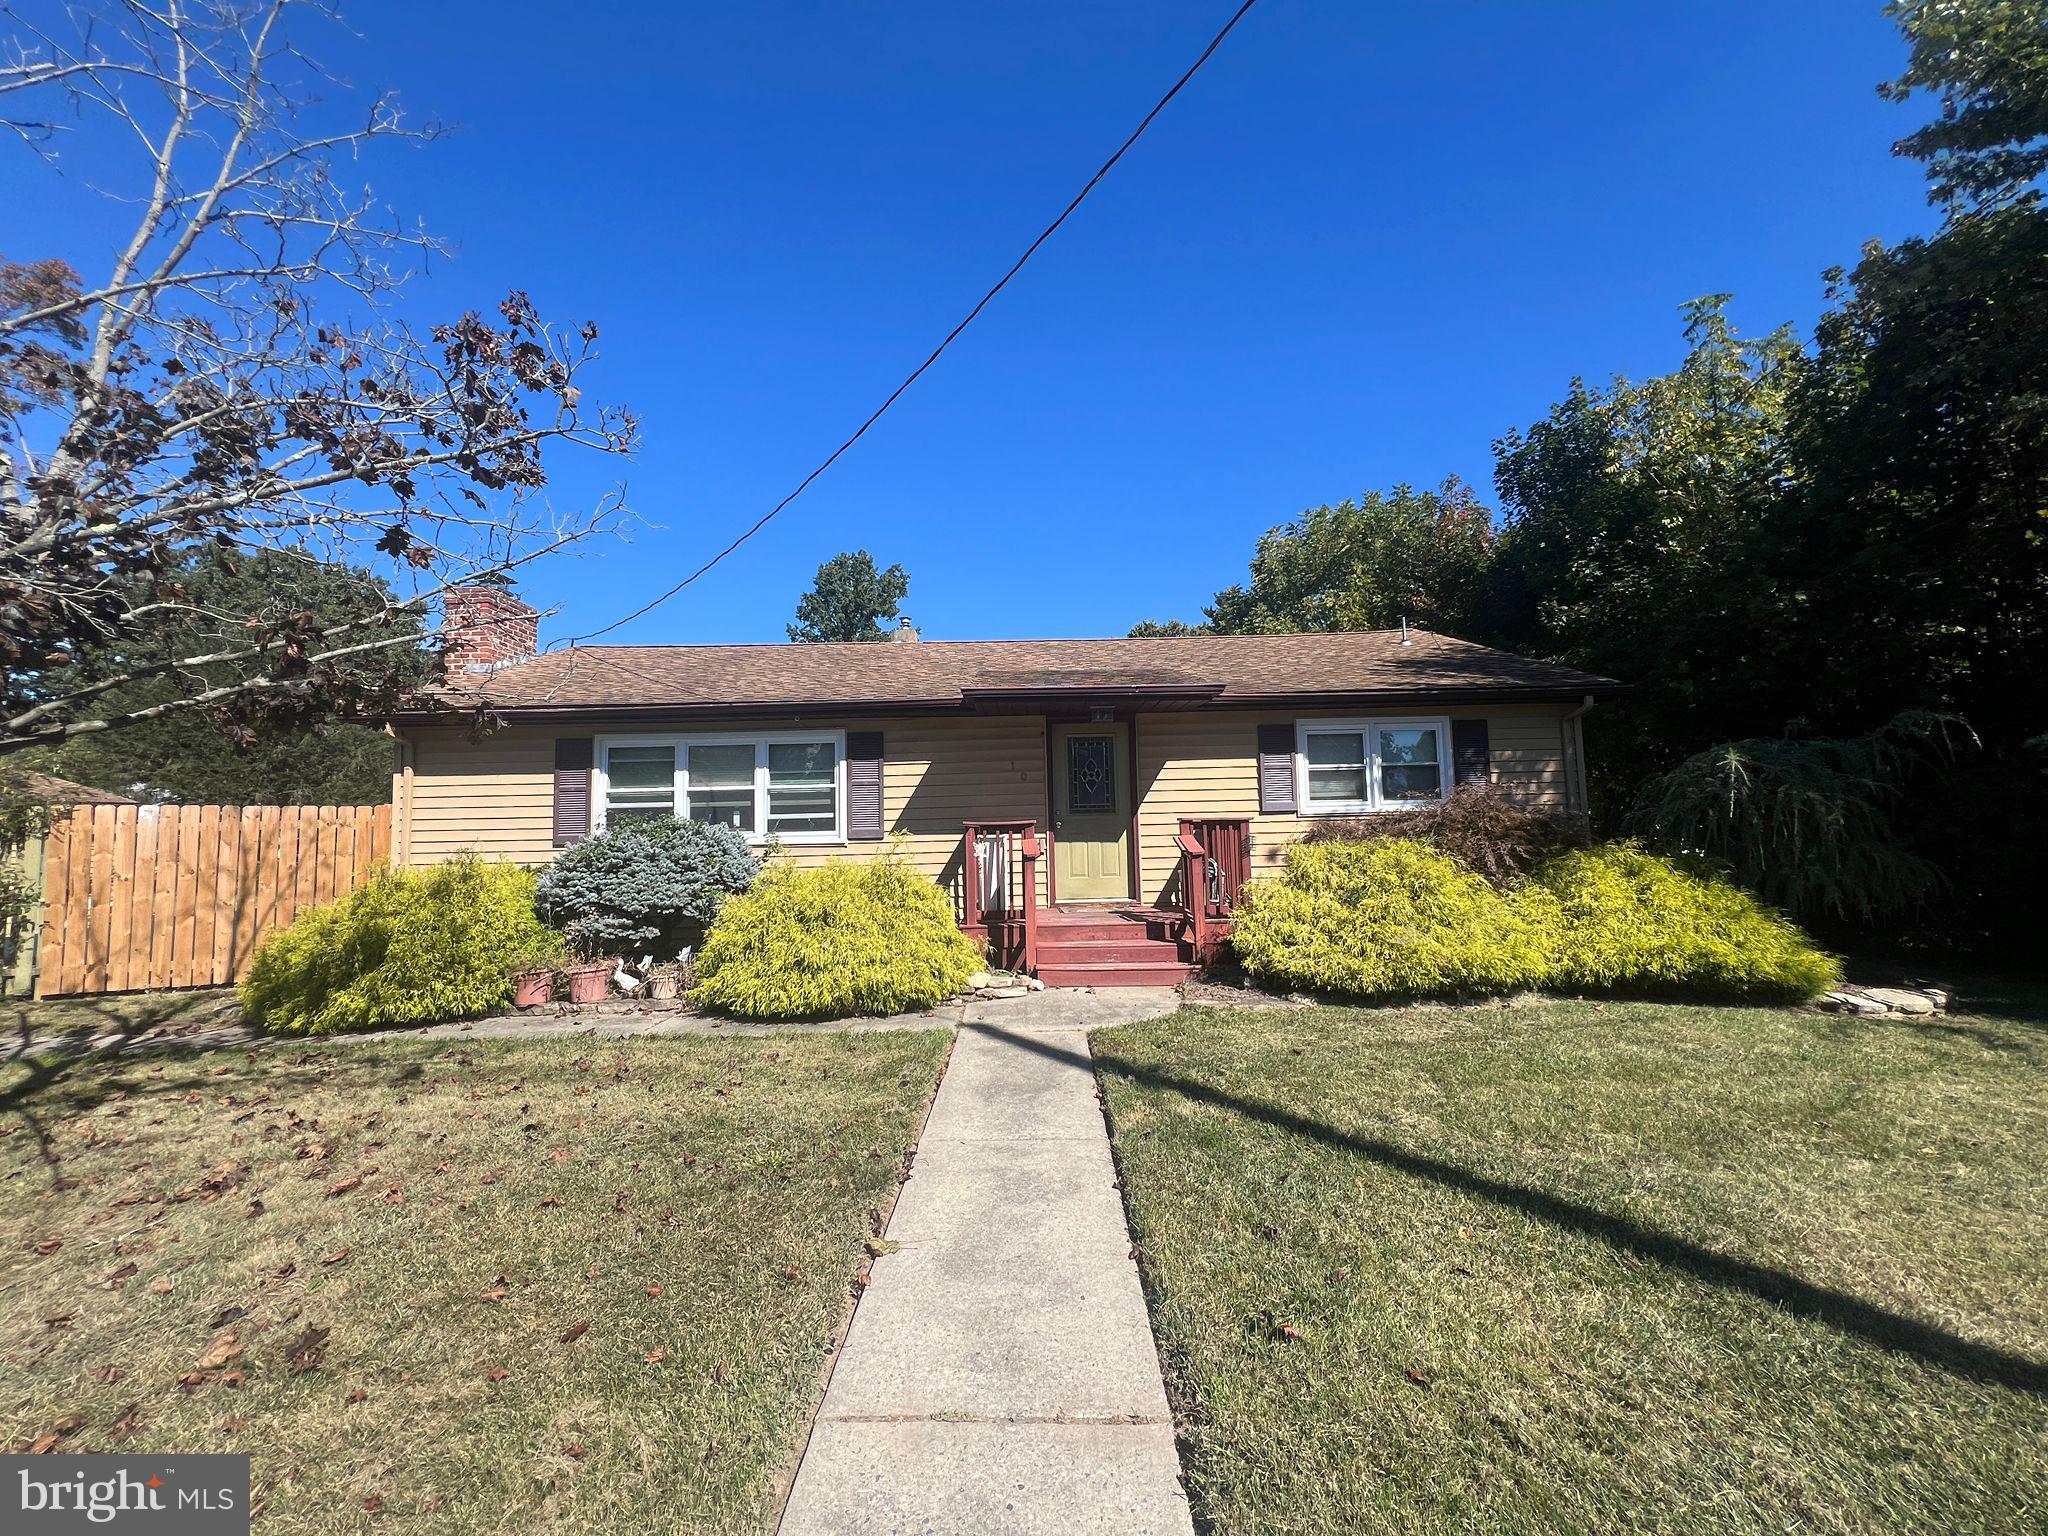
[(849, 937), (408, 948), (1629, 920), (1395, 917)]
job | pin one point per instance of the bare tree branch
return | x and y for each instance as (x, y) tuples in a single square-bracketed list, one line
[(238, 379)]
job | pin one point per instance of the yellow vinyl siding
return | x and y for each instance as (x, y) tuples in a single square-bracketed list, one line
[(1201, 764), (495, 796)]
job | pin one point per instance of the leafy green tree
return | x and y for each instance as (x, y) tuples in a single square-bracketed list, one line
[(1917, 573), (850, 600), (210, 601), (1156, 629), (1362, 564), (1987, 62), (1634, 518)]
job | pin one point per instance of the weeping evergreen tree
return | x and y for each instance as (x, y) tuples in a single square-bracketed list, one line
[(1807, 824)]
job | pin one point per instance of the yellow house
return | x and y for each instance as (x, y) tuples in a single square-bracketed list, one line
[(1093, 805)]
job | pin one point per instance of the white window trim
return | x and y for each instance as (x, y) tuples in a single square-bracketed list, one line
[(760, 741), (1368, 730)]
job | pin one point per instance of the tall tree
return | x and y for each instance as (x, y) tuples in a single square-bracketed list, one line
[(237, 375), (850, 600), (185, 756), (1986, 61), (1634, 515), (1363, 564)]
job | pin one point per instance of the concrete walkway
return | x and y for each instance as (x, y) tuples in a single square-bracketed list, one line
[(999, 1377)]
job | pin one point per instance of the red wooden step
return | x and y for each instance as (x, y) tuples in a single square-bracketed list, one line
[(1108, 952), (1123, 974)]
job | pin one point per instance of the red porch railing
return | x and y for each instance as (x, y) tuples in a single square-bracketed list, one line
[(1215, 863), (1000, 868)]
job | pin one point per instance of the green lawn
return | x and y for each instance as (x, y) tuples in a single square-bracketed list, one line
[(1623, 1267), (534, 1286)]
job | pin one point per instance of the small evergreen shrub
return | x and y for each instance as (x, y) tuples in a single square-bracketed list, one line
[(1394, 917), (1631, 921), (833, 940), (645, 886), (1390, 916), (413, 947)]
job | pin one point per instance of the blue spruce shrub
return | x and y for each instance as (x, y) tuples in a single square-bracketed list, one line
[(645, 886)]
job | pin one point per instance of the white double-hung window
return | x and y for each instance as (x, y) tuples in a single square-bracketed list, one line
[(789, 785), (1352, 767)]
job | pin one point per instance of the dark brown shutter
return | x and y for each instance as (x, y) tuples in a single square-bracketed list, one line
[(864, 784), (1470, 752), (574, 757), (1276, 770)]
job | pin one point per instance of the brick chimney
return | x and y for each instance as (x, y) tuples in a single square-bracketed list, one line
[(485, 625), (903, 631)]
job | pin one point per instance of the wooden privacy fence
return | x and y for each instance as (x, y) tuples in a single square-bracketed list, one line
[(148, 896)]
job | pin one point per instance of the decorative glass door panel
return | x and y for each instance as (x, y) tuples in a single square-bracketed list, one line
[(1091, 813)]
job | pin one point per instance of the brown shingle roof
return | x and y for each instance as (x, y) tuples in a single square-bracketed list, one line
[(1219, 669)]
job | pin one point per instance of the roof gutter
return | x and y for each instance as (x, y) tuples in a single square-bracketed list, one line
[(979, 700)]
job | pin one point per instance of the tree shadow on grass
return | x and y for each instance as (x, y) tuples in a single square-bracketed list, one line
[(1839, 1310)]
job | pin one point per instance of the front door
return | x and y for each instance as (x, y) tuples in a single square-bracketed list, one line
[(1091, 813)]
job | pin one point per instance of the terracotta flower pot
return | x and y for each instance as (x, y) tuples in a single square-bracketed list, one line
[(533, 986), (663, 985), (589, 983)]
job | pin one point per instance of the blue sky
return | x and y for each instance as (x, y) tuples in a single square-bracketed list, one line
[(1364, 242)]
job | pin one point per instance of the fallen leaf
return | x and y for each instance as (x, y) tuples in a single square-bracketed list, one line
[(656, 1355), (255, 1209), (356, 1395), (49, 1245), (551, 1200), (339, 1255), (374, 1502), (496, 1373), (61, 1320), (161, 1287), (42, 1445), (307, 1350), (120, 1277), (498, 1292), (233, 1422), (69, 1424), (343, 1186), (127, 1422), (1414, 1375), (108, 1375), (223, 1349), (575, 1333), (575, 1452)]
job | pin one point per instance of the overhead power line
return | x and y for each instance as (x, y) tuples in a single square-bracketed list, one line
[(938, 351)]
